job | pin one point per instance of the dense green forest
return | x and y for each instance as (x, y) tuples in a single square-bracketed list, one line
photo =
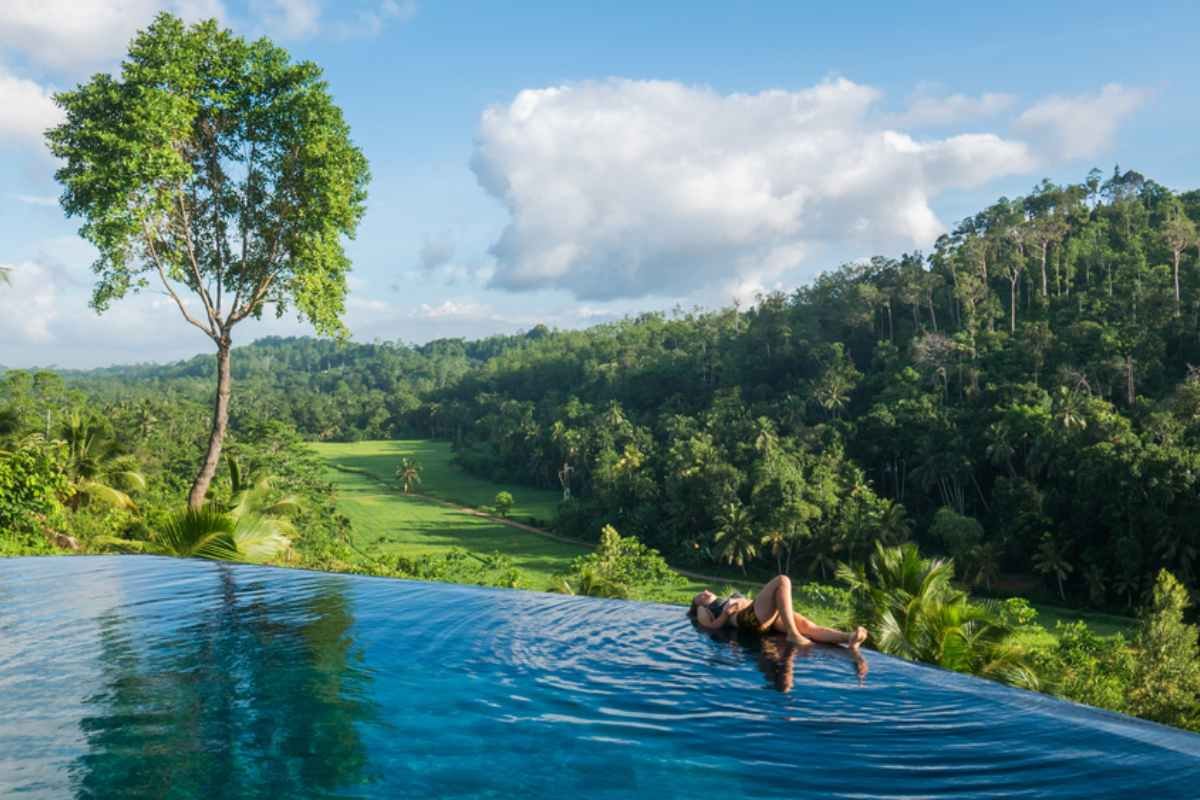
[(1023, 399)]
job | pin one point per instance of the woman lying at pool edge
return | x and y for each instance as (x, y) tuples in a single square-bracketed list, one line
[(769, 612)]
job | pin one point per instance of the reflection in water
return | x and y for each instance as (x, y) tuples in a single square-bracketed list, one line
[(258, 698), (776, 657)]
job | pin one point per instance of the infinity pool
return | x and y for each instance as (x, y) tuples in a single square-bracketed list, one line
[(147, 677)]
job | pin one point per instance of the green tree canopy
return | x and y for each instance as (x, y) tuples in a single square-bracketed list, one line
[(220, 169)]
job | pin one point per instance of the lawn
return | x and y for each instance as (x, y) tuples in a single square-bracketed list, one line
[(387, 523), (439, 476)]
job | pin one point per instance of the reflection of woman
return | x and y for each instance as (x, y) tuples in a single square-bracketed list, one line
[(770, 612), (777, 659)]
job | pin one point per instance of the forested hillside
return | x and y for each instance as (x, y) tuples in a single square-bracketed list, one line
[(1022, 398)]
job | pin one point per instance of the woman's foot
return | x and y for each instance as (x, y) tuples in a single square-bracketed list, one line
[(857, 637), (800, 640)]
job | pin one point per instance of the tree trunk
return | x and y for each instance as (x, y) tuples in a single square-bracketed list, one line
[(1177, 252), (1130, 394), (220, 423), (1012, 294), (1045, 287)]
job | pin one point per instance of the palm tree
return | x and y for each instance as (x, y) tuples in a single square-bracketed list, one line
[(892, 523), (916, 613), (1097, 583), (213, 534), (736, 536), (408, 473), (985, 563), (97, 469), (1051, 560), (778, 543)]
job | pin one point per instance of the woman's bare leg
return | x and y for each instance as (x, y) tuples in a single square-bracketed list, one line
[(822, 634), (773, 607)]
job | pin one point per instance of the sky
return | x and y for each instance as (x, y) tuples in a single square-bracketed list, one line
[(572, 163)]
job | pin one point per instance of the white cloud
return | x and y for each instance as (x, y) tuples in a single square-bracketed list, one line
[(928, 109), (29, 110), (72, 34), (629, 188), (289, 19), (28, 304), (462, 309), (1083, 125)]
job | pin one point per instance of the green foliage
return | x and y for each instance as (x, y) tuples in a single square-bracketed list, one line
[(32, 480), (459, 566), (203, 138), (408, 474), (1165, 686), (958, 533), (1088, 668), (620, 567), (226, 171), (503, 503), (915, 612)]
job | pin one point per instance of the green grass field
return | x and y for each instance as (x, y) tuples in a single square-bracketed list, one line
[(439, 477), (387, 523)]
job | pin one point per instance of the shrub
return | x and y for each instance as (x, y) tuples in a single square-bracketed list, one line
[(621, 566), (1166, 677), (503, 503)]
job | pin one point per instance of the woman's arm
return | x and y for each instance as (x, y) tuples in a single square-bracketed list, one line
[(705, 618)]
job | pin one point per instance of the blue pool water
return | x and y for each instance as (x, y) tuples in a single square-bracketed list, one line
[(148, 677)]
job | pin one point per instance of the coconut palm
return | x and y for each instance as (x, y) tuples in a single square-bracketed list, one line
[(408, 473), (96, 467), (916, 613), (778, 542), (1050, 560), (214, 534), (892, 524), (736, 537)]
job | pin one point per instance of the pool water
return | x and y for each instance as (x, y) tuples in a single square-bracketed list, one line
[(126, 677)]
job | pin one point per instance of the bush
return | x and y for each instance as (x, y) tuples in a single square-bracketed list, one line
[(31, 481), (1089, 668), (503, 503), (960, 534), (1166, 677), (621, 566)]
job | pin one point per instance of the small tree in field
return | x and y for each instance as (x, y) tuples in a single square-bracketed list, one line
[(503, 503), (409, 474), (221, 170)]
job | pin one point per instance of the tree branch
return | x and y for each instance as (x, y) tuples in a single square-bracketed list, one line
[(209, 331), (200, 288)]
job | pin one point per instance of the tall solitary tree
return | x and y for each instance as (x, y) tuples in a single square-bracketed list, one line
[(221, 170)]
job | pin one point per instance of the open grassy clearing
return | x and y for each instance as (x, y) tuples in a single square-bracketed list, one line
[(387, 523), (439, 476)]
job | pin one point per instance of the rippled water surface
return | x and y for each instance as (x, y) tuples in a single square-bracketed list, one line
[(147, 677)]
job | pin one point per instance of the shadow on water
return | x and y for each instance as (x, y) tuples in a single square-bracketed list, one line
[(256, 698)]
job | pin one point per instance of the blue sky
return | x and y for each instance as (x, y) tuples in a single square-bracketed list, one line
[(633, 158)]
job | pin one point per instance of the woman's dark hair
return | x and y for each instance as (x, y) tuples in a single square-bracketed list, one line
[(692, 610)]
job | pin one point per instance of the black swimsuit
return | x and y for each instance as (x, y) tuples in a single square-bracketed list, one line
[(717, 606)]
